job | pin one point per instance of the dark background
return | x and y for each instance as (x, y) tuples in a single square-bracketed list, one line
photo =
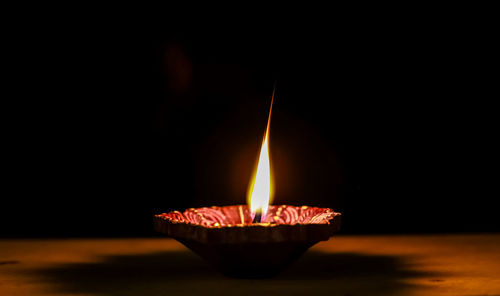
[(393, 125)]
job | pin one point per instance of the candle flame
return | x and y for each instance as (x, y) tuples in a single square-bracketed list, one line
[(261, 188)]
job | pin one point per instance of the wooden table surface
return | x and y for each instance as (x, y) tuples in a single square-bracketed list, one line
[(345, 265)]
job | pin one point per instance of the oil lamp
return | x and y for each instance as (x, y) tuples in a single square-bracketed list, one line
[(254, 240)]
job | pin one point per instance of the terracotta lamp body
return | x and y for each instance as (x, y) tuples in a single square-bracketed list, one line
[(227, 238)]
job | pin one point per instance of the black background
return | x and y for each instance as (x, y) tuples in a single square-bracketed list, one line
[(393, 125)]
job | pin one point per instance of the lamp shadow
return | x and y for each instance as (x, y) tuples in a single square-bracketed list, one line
[(182, 272)]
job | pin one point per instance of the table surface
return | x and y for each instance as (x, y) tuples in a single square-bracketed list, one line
[(345, 265)]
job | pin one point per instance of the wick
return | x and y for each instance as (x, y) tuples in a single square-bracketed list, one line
[(258, 217)]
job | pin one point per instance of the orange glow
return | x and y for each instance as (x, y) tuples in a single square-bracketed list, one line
[(261, 188)]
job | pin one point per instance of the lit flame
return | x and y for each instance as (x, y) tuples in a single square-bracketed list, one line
[(261, 188)]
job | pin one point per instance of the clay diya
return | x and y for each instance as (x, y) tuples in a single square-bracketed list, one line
[(227, 238), (258, 240)]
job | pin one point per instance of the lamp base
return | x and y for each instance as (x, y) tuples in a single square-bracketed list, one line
[(227, 238)]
